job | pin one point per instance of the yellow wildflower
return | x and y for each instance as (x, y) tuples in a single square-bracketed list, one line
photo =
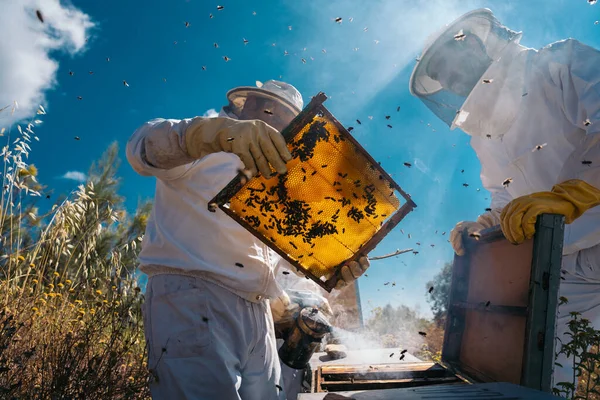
[(42, 301), (35, 309), (68, 281), (131, 379), (71, 305), (71, 290), (21, 258), (52, 294), (56, 273), (105, 301), (60, 285), (92, 311), (78, 301), (81, 311), (34, 281), (32, 265), (114, 287), (51, 286), (99, 292)]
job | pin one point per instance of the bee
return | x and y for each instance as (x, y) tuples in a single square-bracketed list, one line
[(539, 147), (586, 162), (460, 36), (358, 120), (237, 264), (338, 20), (407, 164), (507, 182), (488, 80), (422, 333)]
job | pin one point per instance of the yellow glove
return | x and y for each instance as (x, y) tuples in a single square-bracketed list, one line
[(571, 199)]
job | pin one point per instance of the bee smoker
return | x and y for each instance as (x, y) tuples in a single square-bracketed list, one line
[(304, 338)]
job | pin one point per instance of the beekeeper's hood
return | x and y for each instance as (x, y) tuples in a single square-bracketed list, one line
[(455, 60)]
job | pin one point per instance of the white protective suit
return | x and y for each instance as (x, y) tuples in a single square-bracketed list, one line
[(207, 318), (533, 116)]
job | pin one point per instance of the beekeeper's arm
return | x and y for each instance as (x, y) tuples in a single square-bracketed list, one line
[(165, 148), (581, 102), (573, 68)]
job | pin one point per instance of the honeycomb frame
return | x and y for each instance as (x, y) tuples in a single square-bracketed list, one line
[(240, 186)]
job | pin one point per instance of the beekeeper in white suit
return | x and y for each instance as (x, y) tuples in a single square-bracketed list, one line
[(207, 314), (534, 121)]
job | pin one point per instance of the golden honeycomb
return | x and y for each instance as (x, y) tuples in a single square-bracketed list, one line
[(330, 203)]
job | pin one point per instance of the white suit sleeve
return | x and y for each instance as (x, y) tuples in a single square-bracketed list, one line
[(584, 232), (575, 70), (490, 157), (157, 148)]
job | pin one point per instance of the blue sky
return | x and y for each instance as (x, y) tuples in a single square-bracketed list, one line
[(364, 69)]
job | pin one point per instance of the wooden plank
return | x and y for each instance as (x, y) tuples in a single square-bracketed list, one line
[(398, 382), (545, 270), (485, 307), (487, 391), (493, 345), (421, 366)]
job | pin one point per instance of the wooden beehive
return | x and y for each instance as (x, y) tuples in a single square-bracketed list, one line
[(502, 307)]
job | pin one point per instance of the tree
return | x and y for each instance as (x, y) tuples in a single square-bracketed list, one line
[(438, 297)]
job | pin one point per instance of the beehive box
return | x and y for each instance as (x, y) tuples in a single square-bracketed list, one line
[(502, 307), (334, 205)]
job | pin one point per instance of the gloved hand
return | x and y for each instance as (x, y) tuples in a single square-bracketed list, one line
[(256, 143), (283, 309), (484, 221), (352, 271), (571, 199)]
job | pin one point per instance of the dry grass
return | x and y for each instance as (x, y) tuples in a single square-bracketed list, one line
[(70, 321)]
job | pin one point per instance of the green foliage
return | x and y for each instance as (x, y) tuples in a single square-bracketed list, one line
[(438, 297), (582, 347), (70, 319)]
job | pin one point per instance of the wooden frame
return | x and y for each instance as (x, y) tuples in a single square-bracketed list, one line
[(527, 307), (316, 108)]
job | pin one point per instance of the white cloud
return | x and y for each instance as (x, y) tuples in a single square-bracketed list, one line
[(75, 176), (26, 68), (212, 113)]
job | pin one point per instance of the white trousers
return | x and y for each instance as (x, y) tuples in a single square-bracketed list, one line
[(581, 287), (205, 342)]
